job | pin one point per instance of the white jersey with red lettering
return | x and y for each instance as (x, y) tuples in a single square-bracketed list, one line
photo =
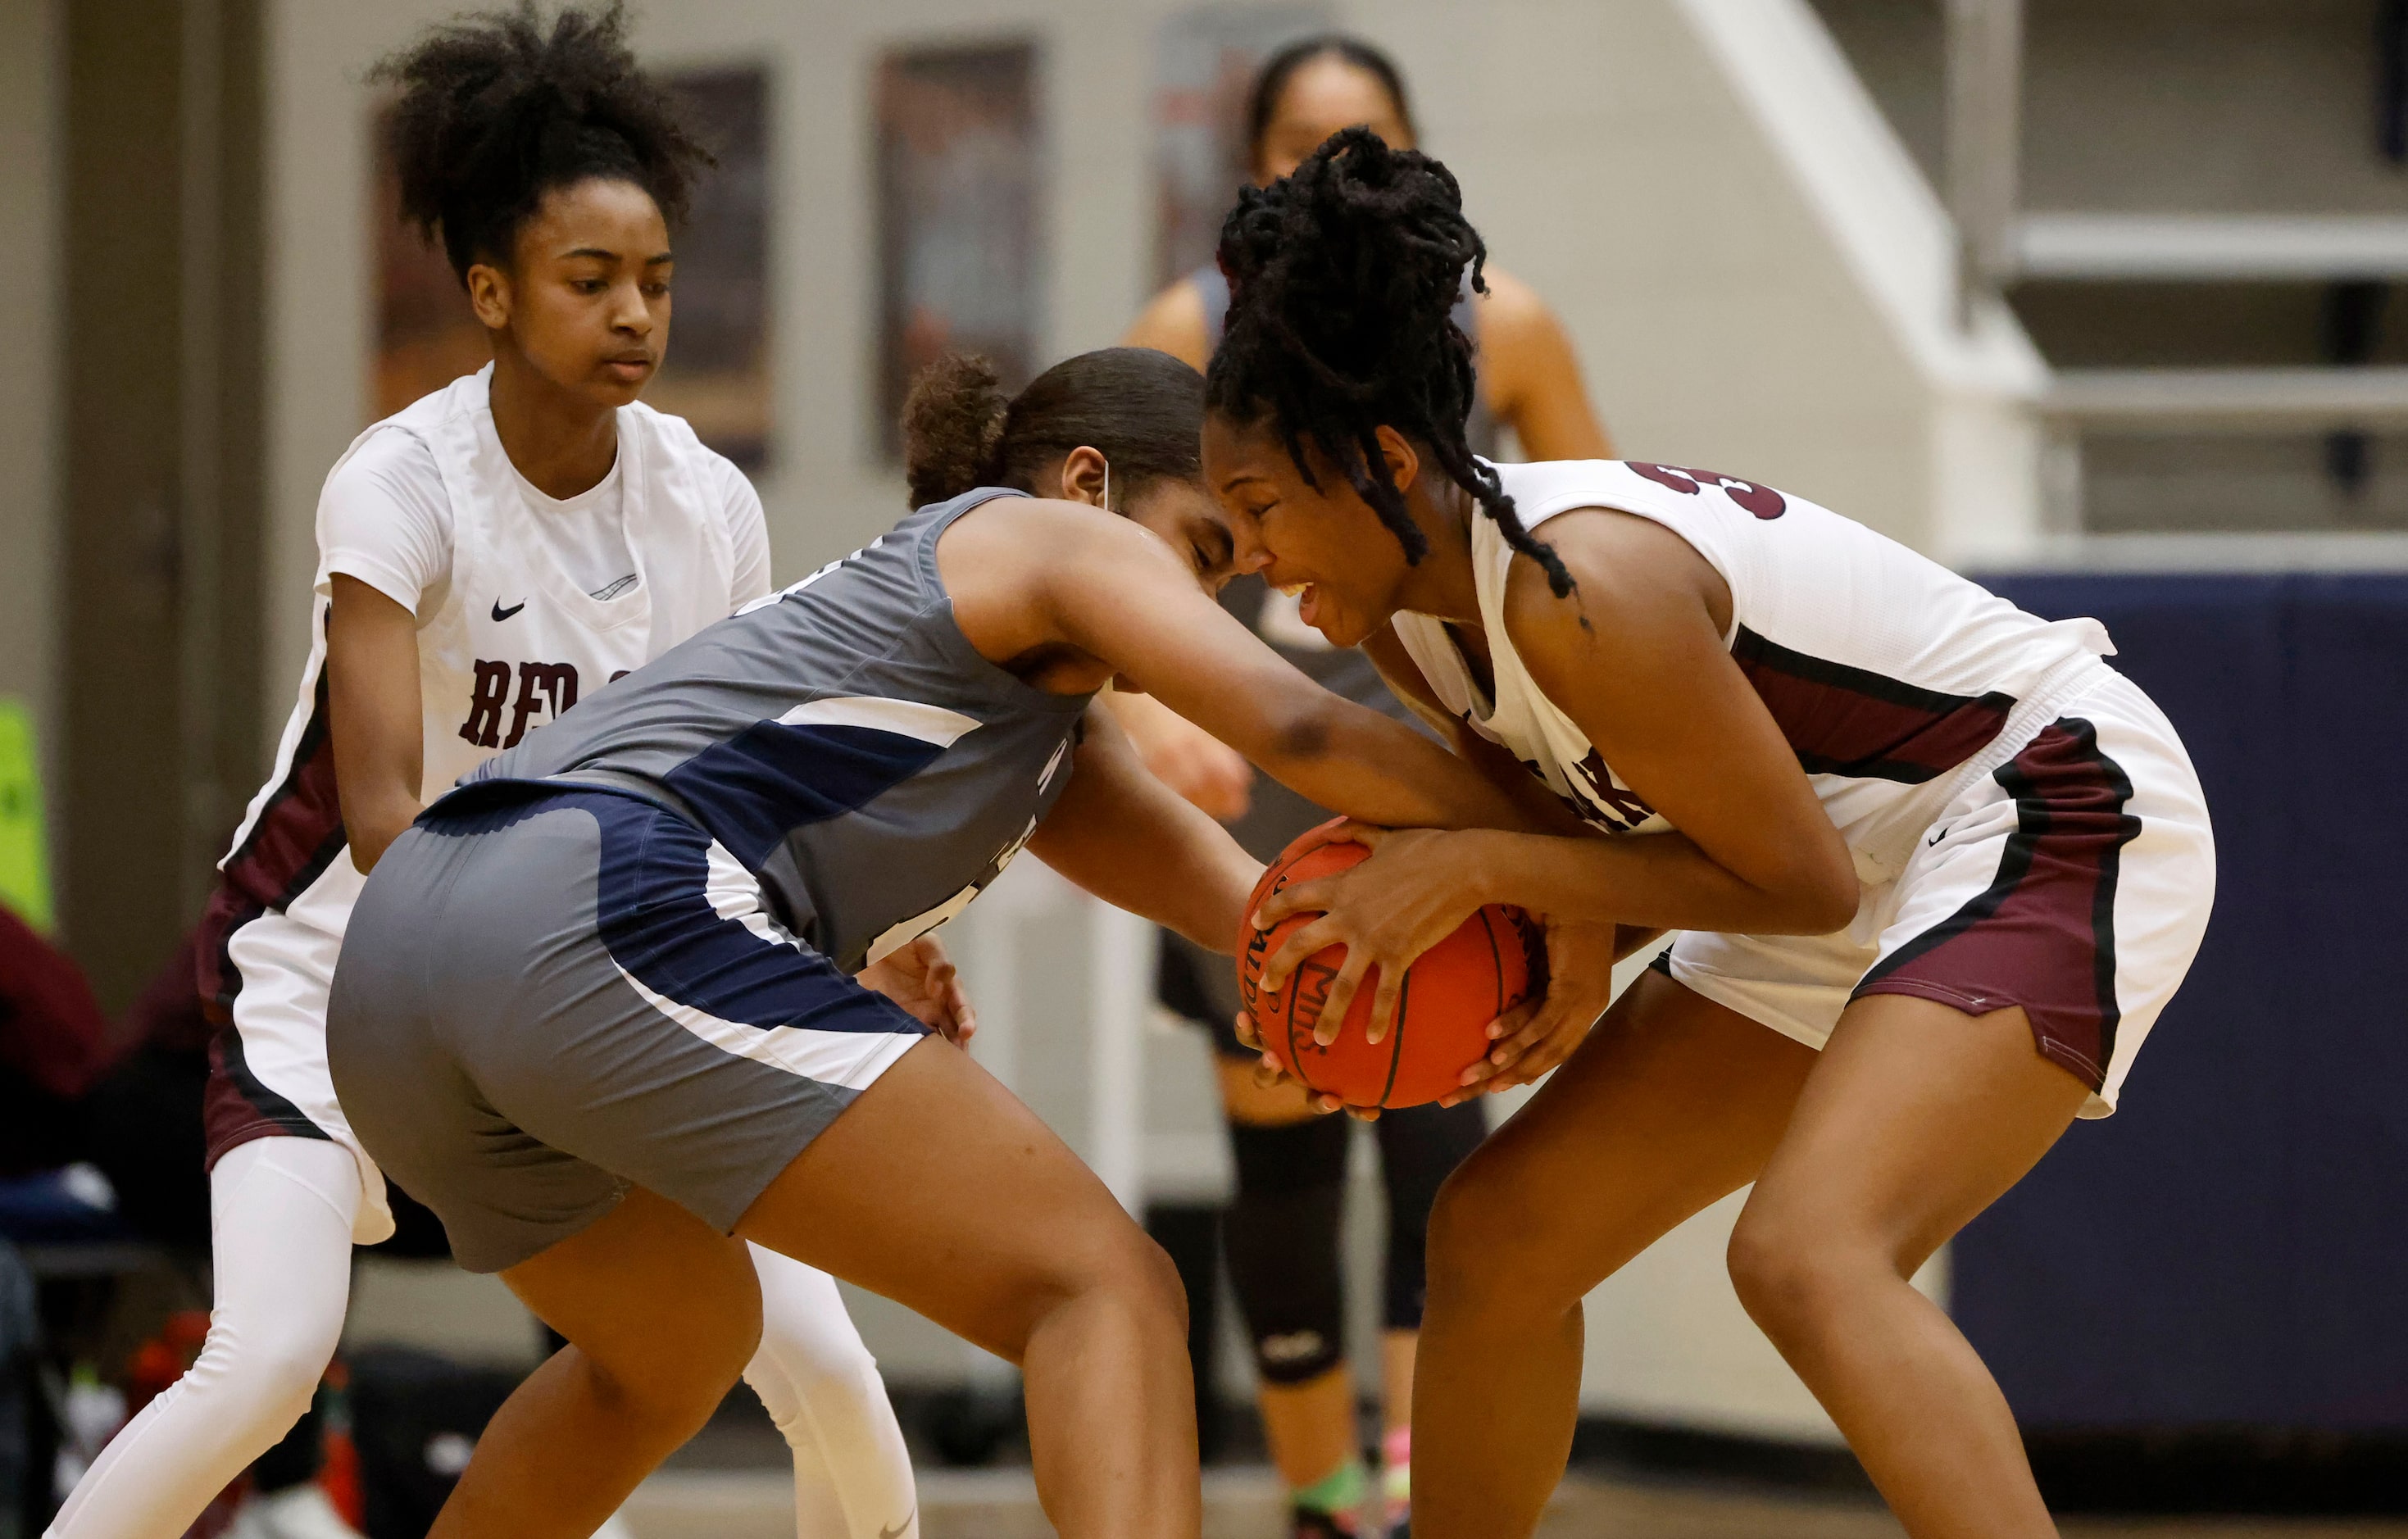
[(2065, 810), (523, 606)]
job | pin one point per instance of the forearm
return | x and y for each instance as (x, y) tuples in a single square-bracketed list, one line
[(1130, 840), (373, 819), (1647, 882), (1182, 870), (373, 692), (1356, 762)]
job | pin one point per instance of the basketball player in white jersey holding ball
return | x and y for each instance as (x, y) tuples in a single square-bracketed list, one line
[(1937, 868), (485, 557)]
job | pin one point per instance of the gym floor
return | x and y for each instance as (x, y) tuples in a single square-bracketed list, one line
[(1243, 1503)]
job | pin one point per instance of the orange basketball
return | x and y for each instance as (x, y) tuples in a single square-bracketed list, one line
[(1493, 960)]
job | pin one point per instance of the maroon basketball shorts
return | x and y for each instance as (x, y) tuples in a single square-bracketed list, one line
[(2068, 872)]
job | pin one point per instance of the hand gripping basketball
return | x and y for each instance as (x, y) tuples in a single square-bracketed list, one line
[(1491, 962)]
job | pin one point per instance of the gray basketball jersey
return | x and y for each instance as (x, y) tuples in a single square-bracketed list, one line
[(840, 740)]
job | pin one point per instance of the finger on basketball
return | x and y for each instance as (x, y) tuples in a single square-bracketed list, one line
[(1512, 1020), (1369, 835), (1308, 939), (1340, 999), (1537, 1029), (1243, 1028), (1383, 1005), (1305, 897)]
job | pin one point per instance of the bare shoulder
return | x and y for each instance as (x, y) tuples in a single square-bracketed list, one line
[(1173, 322), (1048, 534), (1634, 583)]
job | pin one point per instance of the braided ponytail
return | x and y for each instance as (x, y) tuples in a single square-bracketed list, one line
[(1343, 279)]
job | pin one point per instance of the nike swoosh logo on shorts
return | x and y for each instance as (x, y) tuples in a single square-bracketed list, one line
[(500, 613), (900, 1528)]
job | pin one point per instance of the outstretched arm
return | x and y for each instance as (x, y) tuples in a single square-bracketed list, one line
[(1120, 595), (1125, 837)]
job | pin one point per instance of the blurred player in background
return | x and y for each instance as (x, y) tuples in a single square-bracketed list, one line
[(485, 557), (1282, 1230)]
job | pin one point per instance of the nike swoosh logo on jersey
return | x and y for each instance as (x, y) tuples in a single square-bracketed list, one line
[(900, 1528), (500, 613), (1934, 840)]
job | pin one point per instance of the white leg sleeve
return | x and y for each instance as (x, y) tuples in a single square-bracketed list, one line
[(853, 1478), (280, 1216)]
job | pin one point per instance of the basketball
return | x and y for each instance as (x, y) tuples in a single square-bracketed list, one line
[(1493, 962)]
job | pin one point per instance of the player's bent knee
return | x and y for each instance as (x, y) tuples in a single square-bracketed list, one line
[(670, 1372), (1151, 1278), (1793, 1274), (843, 1389), (1140, 1274), (676, 1385), (270, 1363), (1482, 1239), (1123, 1272)]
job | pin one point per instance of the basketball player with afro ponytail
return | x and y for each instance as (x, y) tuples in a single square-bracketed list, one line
[(1331, 255), (485, 556), (1282, 1225), (1935, 867)]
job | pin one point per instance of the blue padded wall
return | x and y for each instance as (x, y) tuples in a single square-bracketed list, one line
[(2230, 1248)]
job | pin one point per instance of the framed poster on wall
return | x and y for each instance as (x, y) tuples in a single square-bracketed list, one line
[(960, 181), (717, 372), (1205, 60)]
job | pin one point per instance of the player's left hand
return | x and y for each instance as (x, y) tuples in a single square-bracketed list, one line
[(922, 978), (1413, 892), (1269, 1073), (1538, 1033)]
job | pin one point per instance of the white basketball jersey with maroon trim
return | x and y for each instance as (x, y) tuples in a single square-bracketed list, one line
[(1891, 676), (509, 643)]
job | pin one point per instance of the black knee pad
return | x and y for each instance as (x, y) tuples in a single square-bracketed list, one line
[(1281, 1236), (1419, 1148)]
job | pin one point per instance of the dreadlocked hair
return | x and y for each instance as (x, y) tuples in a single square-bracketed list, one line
[(1343, 279), (1142, 410), (497, 109)]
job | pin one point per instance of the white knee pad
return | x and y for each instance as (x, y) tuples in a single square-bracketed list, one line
[(283, 1282)]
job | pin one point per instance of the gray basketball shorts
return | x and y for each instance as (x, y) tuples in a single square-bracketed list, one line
[(546, 997)]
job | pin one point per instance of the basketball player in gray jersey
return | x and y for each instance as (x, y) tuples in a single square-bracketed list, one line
[(657, 982)]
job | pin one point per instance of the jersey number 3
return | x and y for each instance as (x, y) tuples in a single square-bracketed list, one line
[(1762, 501)]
